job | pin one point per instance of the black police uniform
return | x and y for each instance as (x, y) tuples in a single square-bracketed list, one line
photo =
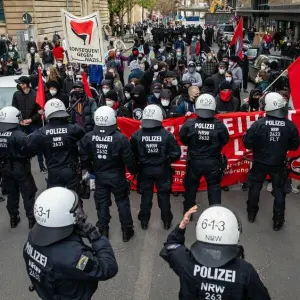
[(109, 153), (270, 138), (155, 149), (69, 269), (236, 280), (58, 141), (16, 173), (205, 139)]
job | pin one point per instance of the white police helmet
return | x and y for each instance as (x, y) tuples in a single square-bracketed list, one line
[(218, 232), (205, 106), (152, 116), (55, 108), (9, 118), (55, 213), (275, 105), (105, 119)]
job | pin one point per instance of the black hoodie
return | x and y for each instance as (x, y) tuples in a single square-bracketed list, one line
[(148, 77), (252, 104), (136, 106)]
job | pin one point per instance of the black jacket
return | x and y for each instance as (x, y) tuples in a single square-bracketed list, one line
[(108, 154), (26, 104), (155, 146), (196, 280), (270, 139), (58, 142), (48, 58), (232, 105), (205, 138), (69, 269)]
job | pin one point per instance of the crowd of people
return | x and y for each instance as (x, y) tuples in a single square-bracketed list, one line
[(80, 140)]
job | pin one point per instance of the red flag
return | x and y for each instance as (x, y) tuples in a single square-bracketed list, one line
[(86, 85), (237, 39), (83, 30), (294, 75), (40, 96)]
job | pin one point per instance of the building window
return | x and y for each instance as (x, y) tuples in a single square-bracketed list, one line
[(2, 15)]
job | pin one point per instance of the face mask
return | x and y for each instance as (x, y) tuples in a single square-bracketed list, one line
[(193, 39), (47, 49), (288, 44), (198, 68), (198, 37), (135, 53), (257, 79), (184, 35), (179, 39), (48, 73), (79, 94), (140, 57), (175, 82), (156, 74), (109, 103), (127, 95), (225, 95), (155, 67), (32, 51), (228, 79), (156, 95), (53, 92), (221, 71), (165, 102), (105, 91), (191, 69), (59, 65), (231, 63), (263, 67), (178, 53), (70, 73), (118, 53), (31, 40), (10, 48), (209, 58), (223, 48)]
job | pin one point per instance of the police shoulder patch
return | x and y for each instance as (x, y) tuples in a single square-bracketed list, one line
[(82, 262), (173, 246)]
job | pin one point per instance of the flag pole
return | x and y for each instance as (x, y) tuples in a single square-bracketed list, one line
[(271, 84)]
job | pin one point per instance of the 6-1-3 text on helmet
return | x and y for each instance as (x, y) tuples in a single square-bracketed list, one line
[(218, 232)]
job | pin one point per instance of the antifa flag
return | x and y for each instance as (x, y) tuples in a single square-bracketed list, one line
[(84, 38), (83, 30), (238, 156), (237, 39)]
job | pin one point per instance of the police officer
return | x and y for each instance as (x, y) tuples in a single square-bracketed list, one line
[(105, 152), (155, 149), (58, 141), (214, 266), (270, 138), (205, 137), (59, 264), (15, 166)]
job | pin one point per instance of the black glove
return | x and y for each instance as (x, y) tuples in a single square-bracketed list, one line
[(88, 230)]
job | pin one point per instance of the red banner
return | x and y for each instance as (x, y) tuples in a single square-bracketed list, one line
[(238, 164)]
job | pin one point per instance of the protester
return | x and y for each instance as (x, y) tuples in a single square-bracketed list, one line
[(226, 102), (32, 58)]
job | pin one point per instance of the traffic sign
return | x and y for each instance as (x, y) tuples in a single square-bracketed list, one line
[(27, 18)]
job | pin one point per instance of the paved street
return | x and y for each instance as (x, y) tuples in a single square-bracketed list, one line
[(143, 275)]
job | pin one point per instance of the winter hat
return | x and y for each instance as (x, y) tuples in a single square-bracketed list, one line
[(225, 85), (128, 87), (112, 95)]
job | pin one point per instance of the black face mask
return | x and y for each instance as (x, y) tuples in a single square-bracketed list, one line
[(162, 73), (168, 48)]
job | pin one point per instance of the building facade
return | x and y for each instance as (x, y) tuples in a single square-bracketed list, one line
[(46, 15), (271, 15)]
